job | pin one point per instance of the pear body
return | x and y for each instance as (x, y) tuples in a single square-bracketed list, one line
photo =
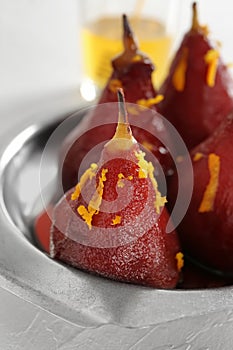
[(192, 103), (206, 231), (121, 233)]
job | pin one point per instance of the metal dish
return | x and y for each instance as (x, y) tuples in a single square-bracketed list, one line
[(76, 296)]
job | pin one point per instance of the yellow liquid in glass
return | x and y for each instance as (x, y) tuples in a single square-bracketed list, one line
[(102, 40)]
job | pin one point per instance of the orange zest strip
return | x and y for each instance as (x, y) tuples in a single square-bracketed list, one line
[(120, 183), (207, 203), (179, 76), (121, 177), (211, 59), (150, 101), (89, 173), (95, 202), (116, 220), (197, 156), (180, 261), (146, 170), (76, 192)]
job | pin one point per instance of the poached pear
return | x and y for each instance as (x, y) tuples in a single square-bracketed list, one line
[(131, 71), (113, 222), (206, 232), (198, 89)]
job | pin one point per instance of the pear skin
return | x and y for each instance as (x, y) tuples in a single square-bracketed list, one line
[(206, 230), (198, 89), (118, 211)]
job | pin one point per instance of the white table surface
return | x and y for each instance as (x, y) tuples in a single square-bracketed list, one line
[(24, 326)]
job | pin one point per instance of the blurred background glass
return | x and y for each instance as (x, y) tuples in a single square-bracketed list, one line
[(41, 47), (155, 24)]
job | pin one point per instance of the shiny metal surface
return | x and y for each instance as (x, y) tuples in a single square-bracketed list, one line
[(76, 296)]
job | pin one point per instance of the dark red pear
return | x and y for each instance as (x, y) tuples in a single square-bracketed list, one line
[(206, 231), (198, 89), (131, 71), (113, 223)]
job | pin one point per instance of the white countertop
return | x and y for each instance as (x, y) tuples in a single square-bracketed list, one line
[(24, 326)]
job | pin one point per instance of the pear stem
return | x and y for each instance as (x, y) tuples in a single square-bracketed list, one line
[(122, 139), (123, 116), (195, 22), (123, 129), (129, 41)]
